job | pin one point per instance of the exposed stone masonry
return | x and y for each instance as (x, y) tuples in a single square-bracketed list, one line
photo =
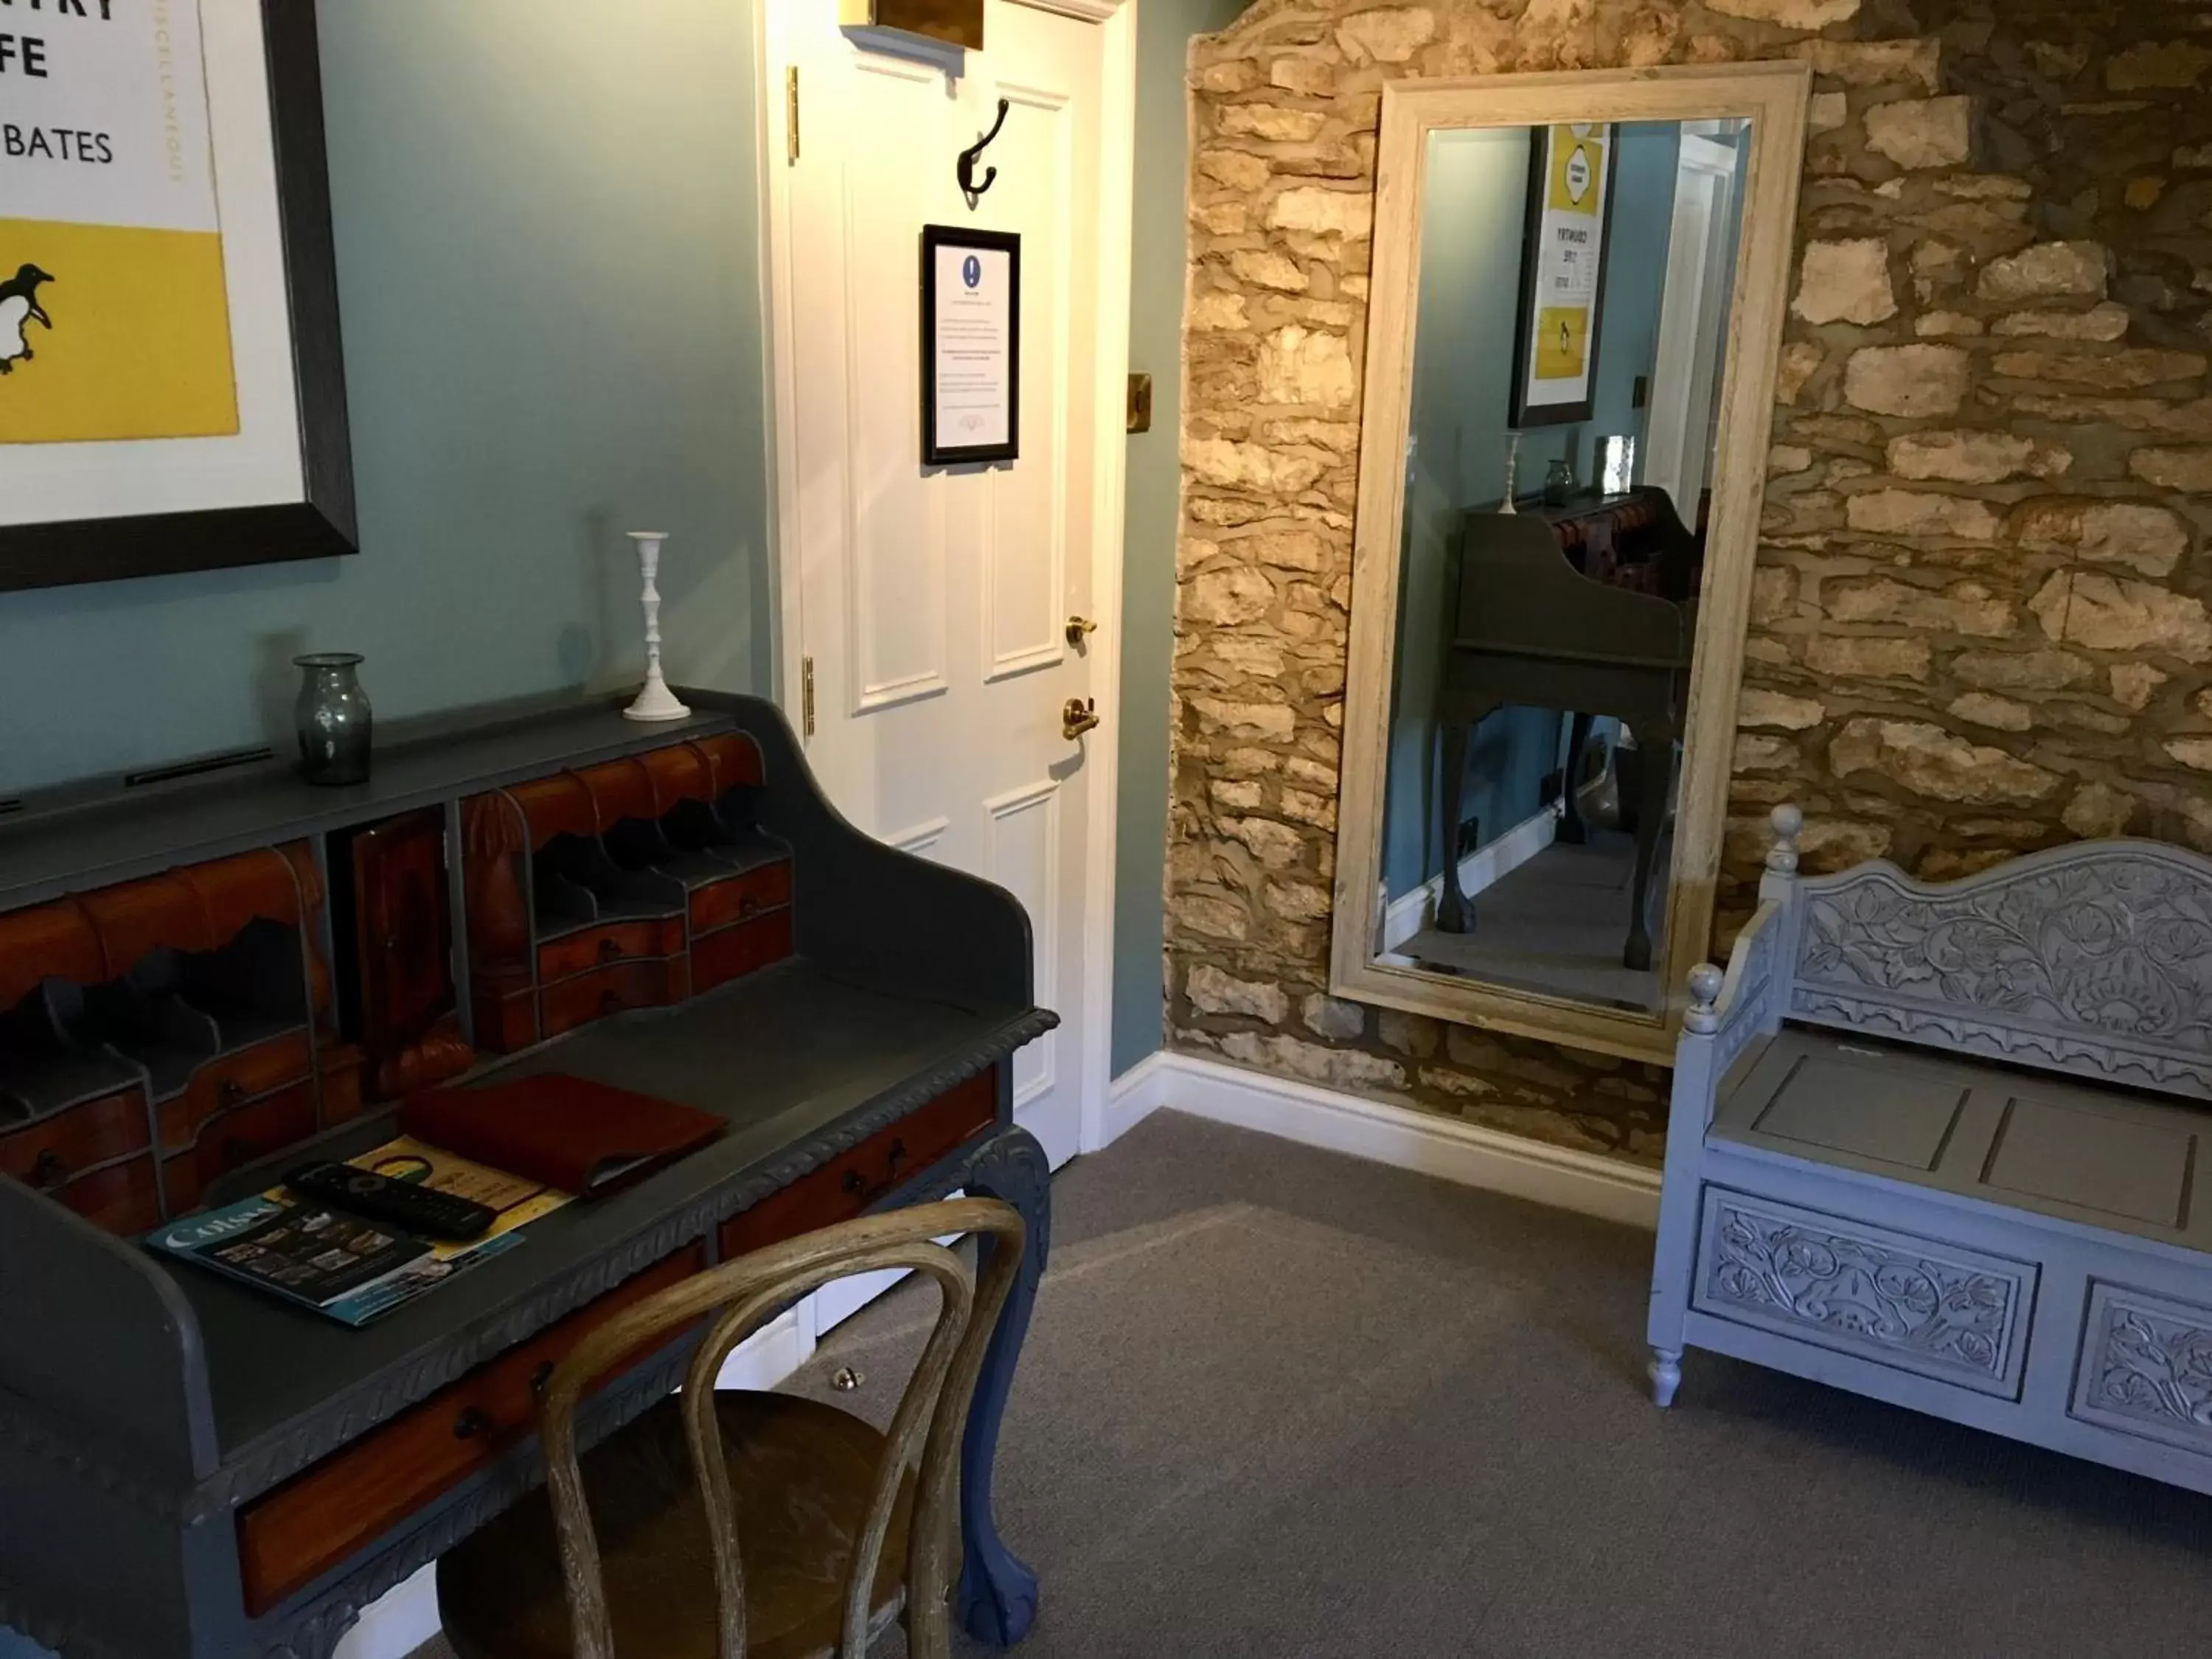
[(1980, 620)]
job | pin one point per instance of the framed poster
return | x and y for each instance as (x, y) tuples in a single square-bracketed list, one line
[(172, 383), (971, 345), (1562, 274)]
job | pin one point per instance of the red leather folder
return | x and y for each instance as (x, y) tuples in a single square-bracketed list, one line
[(568, 1132)]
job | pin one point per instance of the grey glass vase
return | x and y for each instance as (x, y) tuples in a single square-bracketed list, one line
[(333, 718)]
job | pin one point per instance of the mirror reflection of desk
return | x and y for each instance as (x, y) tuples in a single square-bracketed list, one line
[(203, 984), (1587, 607)]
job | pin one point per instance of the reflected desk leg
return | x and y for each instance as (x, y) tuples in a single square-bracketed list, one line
[(1571, 829), (998, 1593), (1655, 741)]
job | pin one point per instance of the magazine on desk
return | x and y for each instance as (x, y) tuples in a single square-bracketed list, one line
[(350, 1269)]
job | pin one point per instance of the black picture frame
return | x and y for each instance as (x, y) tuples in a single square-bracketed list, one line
[(1520, 414), (324, 522), (934, 452)]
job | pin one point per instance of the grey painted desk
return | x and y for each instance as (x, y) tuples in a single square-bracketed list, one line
[(146, 1411)]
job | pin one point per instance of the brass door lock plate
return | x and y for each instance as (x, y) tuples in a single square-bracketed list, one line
[(1140, 403), (1080, 716)]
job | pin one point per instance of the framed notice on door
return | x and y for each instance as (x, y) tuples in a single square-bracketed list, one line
[(971, 345), (1563, 274), (172, 386)]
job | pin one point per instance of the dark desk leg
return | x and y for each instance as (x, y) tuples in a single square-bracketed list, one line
[(1656, 757), (1453, 913), (1572, 828), (998, 1593)]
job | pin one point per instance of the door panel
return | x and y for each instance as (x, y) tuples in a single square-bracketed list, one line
[(934, 601)]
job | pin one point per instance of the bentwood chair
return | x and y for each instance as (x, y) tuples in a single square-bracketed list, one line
[(731, 1525)]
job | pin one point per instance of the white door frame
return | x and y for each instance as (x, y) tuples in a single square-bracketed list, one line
[(1117, 139), (1694, 316)]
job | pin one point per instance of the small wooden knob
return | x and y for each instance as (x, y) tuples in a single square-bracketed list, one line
[(473, 1423), (49, 1172), (610, 949), (539, 1378)]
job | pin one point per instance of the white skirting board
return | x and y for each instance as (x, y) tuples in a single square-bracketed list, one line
[(1480, 869), (1397, 1135)]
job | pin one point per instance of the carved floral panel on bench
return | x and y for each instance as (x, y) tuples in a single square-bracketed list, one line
[(1943, 1312), (2146, 1368), (2096, 959)]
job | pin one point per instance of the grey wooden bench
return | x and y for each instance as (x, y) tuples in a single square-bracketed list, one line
[(1939, 1146)]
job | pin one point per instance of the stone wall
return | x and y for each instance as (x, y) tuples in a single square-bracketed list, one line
[(1979, 623)]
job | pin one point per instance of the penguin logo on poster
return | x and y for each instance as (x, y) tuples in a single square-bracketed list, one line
[(18, 309), (971, 271)]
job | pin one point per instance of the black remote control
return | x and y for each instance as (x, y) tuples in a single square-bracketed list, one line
[(407, 1203)]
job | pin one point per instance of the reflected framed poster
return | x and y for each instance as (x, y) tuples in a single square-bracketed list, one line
[(971, 345), (1562, 274), (172, 380)]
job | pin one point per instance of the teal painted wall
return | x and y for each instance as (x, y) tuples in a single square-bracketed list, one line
[(1473, 222), (1157, 286), (548, 261)]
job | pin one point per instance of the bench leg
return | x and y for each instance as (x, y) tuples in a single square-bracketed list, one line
[(998, 1593), (1666, 1374)]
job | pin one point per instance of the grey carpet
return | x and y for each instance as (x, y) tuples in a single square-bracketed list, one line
[(1280, 1403), (1558, 923)]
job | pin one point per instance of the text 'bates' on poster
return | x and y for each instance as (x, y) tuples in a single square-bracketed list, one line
[(114, 322)]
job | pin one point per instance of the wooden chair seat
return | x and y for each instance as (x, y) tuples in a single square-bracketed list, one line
[(801, 1474)]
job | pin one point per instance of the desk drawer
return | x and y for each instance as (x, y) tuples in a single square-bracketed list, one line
[(740, 949), (740, 898), (57, 1149), (610, 942), (235, 1139), (230, 1080), (606, 991), (847, 1184), (122, 1197), (288, 1536)]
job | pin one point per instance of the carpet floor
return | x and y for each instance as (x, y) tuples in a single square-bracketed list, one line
[(1558, 924), (1280, 1403)]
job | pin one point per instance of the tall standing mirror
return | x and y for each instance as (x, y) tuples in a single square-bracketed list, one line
[(1575, 314)]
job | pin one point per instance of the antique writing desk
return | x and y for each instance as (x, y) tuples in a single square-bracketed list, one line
[(1545, 619), (204, 977)]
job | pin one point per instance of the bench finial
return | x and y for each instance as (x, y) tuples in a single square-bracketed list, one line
[(1788, 823), (1705, 982)]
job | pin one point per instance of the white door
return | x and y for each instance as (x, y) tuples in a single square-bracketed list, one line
[(1692, 326), (934, 603)]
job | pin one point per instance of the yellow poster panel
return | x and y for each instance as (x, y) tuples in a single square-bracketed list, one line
[(1578, 169), (1562, 341), (135, 341)]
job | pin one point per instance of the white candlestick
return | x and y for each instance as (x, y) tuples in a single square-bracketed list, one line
[(655, 702)]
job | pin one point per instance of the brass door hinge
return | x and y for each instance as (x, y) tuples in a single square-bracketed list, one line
[(806, 697), (791, 117)]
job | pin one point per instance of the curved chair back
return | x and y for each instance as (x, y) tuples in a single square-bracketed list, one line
[(737, 1297)]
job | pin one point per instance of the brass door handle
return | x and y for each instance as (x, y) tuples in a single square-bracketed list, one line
[(1078, 627), (1079, 717)]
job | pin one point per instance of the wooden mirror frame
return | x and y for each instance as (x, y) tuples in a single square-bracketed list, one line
[(1774, 97)]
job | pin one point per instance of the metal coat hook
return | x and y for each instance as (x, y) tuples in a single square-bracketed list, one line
[(966, 166)]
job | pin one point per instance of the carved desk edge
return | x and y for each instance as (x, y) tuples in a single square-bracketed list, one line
[(1859, 950)]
